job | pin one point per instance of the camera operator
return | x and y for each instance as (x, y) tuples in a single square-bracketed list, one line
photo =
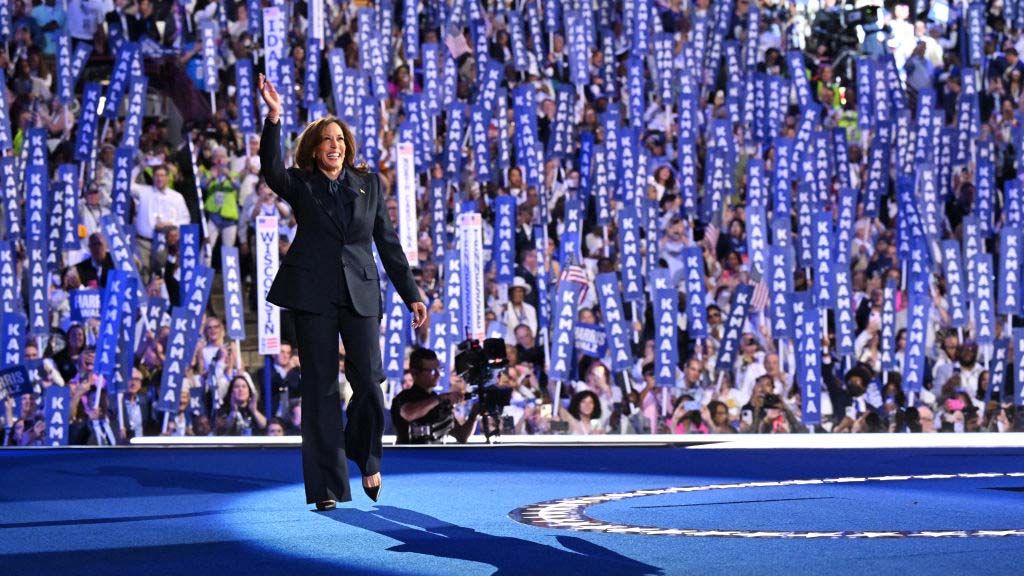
[(421, 416)]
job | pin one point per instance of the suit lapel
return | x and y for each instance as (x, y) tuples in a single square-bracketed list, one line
[(354, 193)]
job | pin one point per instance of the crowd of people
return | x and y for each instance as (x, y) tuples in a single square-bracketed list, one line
[(194, 165)]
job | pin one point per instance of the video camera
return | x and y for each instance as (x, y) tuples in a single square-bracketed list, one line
[(476, 363), (837, 26)]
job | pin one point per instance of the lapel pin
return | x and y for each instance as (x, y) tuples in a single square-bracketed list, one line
[(361, 191)]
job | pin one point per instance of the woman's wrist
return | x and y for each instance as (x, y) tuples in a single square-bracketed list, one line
[(273, 117)]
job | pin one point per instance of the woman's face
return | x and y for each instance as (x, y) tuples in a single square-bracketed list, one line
[(240, 391), (214, 331), (736, 229), (76, 337), (586, 407), (330, 152)]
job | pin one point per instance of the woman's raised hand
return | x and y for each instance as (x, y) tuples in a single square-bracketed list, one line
[(270, 96)]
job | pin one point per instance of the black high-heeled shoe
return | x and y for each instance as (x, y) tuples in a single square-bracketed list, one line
[(373, 492), (325, 505)]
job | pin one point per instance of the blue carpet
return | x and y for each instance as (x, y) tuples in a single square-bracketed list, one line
[(446, 511)]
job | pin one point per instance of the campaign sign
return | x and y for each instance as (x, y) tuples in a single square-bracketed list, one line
[(589, 339), (615, 324), (780, 284), (997, 382), (738, 312), (1009, 271), (9, 289), (666, 330), (56, 410), (917, 333), (440, 343), (86, 303), (809, 366), (503, 250), (181, 343), (394, 335), (889, 326), (14, 381), (984, 314), (234, 311), (563, 331), (952, 269)]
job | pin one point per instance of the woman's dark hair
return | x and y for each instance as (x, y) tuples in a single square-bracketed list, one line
[(574, 404), (310, 139)]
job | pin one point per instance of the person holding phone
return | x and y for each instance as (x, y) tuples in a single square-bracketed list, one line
[(330, 281)]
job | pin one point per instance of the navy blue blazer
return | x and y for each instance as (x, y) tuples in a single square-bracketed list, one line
[(326, 242)]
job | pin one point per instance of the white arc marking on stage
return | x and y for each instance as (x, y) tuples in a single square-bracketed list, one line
[(570, 513)]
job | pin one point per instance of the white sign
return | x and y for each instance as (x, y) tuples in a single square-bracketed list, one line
[(471, 250), (407, 223), (268, 315)]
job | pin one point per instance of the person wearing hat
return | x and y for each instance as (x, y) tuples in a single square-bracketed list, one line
[(517, 311)]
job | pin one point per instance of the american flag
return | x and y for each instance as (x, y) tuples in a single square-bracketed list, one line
[(578, 274), (711, 234), (759, 300)]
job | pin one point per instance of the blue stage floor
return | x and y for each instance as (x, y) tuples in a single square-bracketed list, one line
[(465, 510)]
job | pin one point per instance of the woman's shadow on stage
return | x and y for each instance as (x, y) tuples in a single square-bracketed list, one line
[(508, 555)]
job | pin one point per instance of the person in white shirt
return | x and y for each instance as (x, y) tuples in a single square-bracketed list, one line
[(84, 18), (157, 209), (517, 311)]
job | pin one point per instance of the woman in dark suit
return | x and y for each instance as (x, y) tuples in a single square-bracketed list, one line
[(330, 281)]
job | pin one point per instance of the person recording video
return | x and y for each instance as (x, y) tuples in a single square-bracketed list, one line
[(421, 416)]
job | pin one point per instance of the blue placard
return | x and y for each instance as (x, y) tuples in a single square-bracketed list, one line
[(781, 267), (124, 162), (696, 293), (984, 314), (809, 365), (125, 60), (38, 301), (888, 329), (504, 248), (952, 269), (917, 333), (590, 340), (453, 293), (564, 316), (56, 411), (11, 198), (824, 265), (67, 174), (188, 251), (126, 336), (738, 311), (615, 325), (997, 382), (244, 95), (110, 326), (395, 338), (666, 337), (195, 295), (9, 286), (65, 86), (12, 332), (181, 343), (1008, 301), (441, 344), (86, 304), (1018, 346), (234, 311)]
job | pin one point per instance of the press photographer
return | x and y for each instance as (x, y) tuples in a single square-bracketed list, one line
[(421, 416)]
